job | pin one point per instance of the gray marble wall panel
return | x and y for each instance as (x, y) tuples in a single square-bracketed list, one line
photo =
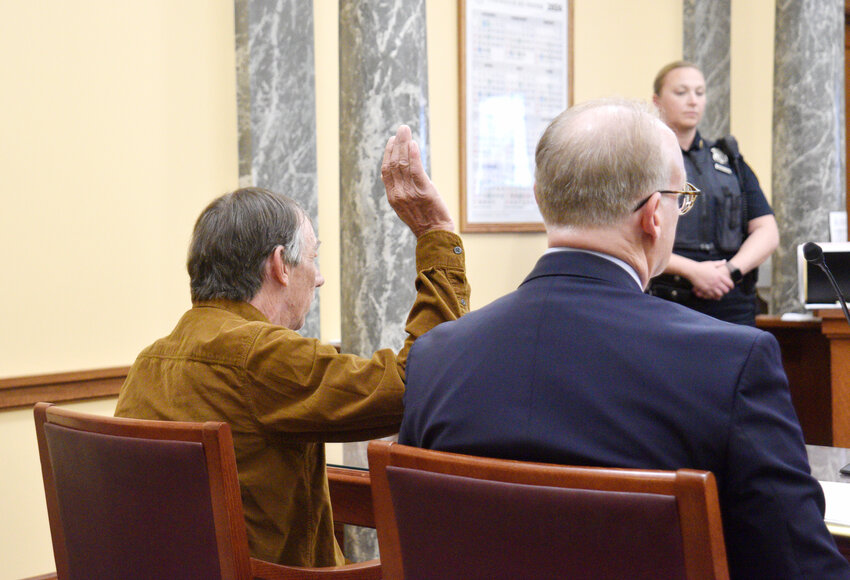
[(808, 133), (705, 42), (383, 84), (276, 98)]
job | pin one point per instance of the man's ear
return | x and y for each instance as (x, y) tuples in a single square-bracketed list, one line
[(655, 100), (651, 217), (277, 268)]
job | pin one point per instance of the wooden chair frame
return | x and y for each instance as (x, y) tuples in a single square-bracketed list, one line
[(695, 491), (350, 493)]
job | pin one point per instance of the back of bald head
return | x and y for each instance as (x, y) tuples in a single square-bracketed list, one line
[(596, 160)]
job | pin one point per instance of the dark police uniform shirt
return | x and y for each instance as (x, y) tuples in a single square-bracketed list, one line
[(716, 227)]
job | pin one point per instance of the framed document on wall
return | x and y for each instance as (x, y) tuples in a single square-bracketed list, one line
[(515, 77)]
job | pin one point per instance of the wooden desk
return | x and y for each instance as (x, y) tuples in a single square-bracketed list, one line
[(825, 463), (834, 327), (806, 358)]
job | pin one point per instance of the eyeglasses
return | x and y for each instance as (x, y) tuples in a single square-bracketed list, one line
[(685, 199)]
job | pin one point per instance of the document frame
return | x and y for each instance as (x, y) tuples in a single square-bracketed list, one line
[(515, 76)]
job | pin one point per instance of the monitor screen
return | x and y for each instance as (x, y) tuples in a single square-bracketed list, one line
[(816, 290)]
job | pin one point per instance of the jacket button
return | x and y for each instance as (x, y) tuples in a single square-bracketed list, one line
[(458, 250)]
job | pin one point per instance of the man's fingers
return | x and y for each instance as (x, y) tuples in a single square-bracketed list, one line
[(396, 156), (401, 170), (386, 169), (388, 151), (404, 142), (417, 171), (403, 134), (409, 190)]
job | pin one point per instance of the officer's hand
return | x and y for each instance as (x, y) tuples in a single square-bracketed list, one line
[(711, 279), (409, 190)]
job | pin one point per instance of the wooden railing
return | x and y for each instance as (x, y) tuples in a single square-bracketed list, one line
[(61, 387), (66, 387)]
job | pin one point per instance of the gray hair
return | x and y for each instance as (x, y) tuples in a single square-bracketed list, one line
[(595, 160), (235, 235)]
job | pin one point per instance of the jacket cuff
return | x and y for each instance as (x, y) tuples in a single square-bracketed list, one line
[(440, 249)]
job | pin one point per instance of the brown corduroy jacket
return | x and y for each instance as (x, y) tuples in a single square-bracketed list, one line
[(284, 396)]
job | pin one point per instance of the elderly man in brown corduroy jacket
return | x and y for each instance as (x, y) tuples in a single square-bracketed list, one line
[(235, 355)]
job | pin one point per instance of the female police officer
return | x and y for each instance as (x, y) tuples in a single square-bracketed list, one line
[(731, 229)]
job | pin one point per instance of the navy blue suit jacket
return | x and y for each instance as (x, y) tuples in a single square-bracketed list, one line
[(580, 367)]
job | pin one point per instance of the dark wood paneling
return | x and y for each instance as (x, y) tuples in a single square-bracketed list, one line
[(806, 359), (835, 328)]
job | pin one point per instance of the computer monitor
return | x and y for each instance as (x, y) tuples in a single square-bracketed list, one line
[(816, 293)]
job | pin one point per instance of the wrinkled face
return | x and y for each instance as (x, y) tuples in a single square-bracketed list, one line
[(681, 102), (303, 280)]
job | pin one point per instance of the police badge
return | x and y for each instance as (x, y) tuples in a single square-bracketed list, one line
[(721, 160), (719, 156)]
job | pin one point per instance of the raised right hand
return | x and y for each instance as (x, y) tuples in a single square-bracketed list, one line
[(409, 190)]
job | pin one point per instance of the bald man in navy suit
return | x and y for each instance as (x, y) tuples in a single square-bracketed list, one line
[(579, 366)]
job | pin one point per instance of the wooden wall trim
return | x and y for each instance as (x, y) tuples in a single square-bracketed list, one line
[(66, 387), (61, 387)]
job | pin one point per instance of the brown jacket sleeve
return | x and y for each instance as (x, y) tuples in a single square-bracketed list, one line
[(304, 387)]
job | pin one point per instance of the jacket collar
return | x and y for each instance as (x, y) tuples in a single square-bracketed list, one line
[(584, 265), (242, 309), (697, 144)]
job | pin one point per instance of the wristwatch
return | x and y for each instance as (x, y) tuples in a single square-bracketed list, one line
[(734, 272)]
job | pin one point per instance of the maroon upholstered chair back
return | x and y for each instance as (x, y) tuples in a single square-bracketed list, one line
[(136, 499), (130, 498), (136, 505), (444, 515)]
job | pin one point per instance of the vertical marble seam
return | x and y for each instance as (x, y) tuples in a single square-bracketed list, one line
[(243, 93), (706, 42), (383, 83), (808, 128), (276, 99)]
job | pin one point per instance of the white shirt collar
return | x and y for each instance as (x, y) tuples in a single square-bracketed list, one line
[(631, 271)]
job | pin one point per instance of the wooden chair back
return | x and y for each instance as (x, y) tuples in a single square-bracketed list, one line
[(446, 515), (131, 498)]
